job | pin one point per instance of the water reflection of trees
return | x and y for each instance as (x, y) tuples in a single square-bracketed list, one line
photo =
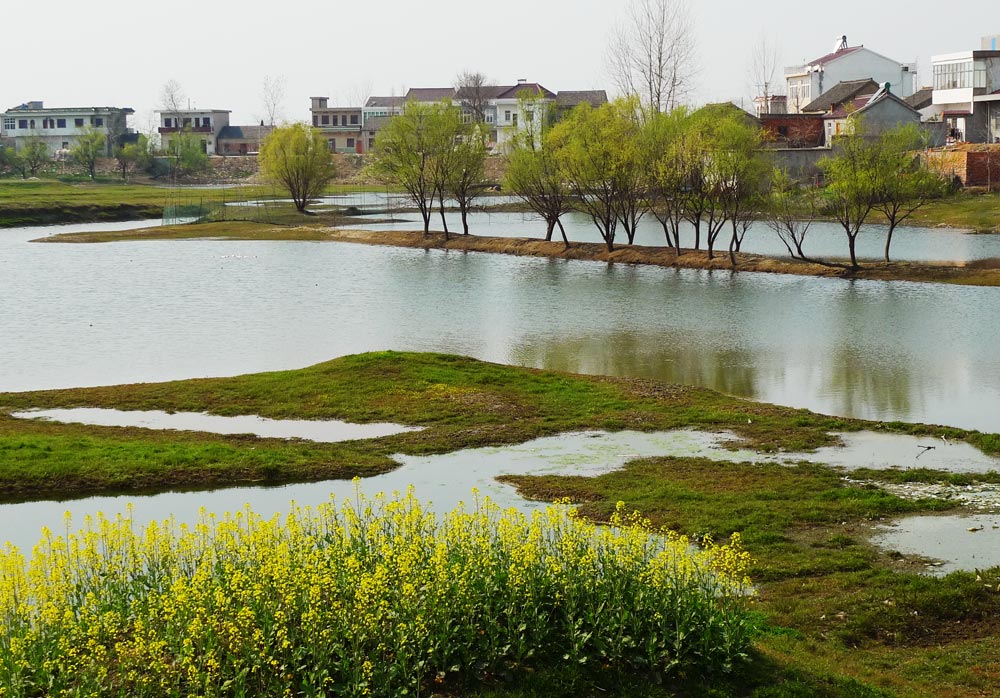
[(726, 369)]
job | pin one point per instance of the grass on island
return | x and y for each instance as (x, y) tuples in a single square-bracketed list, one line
[(287, 224), (838, 617)]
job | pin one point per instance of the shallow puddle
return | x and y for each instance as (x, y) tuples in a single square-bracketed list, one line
[(956, 542), (443, 480), (326, 431), (867, 449)]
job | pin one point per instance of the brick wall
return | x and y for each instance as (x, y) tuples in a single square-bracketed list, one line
[(973, 168), (793, 130)]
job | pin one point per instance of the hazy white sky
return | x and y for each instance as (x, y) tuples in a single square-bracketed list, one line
[(118, 53)]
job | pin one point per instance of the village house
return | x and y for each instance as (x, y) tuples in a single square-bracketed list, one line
[(205, 124), (881, 111), (60, 128), (966, 91), (804, 83), (241, 140)]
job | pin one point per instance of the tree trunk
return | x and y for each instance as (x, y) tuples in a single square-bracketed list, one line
[(444, 221), (851, 239), (888, 237), (550, 226), (465, 218), (563, 231), (697, 234)]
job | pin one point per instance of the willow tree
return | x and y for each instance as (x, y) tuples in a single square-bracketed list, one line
[(851, 184), (665, 173), (89, 147), (533, 175), (596, 150), (742, 172), (903, 183), (296, 157), (465, 183)]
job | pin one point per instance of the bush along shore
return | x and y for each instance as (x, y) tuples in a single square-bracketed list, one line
[(210, 610)]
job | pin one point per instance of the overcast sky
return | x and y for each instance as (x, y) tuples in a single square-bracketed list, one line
[(117, 53)]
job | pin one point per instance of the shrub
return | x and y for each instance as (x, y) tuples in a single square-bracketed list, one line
[(376, 597)]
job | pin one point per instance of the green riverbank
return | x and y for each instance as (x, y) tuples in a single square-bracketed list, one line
[(839, 617)]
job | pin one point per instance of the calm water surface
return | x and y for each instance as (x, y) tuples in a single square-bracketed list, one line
[(74, 315)]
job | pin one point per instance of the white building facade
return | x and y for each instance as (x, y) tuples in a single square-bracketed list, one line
[(60, 128), (203, 124), (804, 83), (967, 93)]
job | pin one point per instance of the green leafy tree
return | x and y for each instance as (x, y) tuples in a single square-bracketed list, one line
[(663, 136), (403, 156), (189, 153), (790, 211), (743, 172), (903, 183), (533, 175), (133, 156), (596, 152), (468, 173), (852, 177), (89, 147), (444, 131), (33, 156), (297, 158)]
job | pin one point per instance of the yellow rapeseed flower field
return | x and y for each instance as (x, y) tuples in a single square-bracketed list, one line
[(368, 597)]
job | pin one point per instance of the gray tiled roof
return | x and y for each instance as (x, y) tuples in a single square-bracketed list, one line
[(840, 93), (385, 102), (567, 99), (244, 133), (430, 94), (921, 99)]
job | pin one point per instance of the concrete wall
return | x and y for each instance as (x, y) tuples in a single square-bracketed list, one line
[(800, 163)]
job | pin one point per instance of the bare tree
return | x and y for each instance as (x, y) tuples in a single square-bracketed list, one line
[(761, 73), (652, 53), (172, 97), (473, 92), (272, 98)]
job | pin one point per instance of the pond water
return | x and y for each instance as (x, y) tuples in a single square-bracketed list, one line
[(442, 480), (880, 451), (77, 315), (326, 431), (825, 240), (955, 542)]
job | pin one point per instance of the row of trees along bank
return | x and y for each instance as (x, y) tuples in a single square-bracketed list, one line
[(619, 163)]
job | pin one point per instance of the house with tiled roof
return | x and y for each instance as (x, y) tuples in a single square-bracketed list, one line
[(966, 90), (881, 111), (805, 82)]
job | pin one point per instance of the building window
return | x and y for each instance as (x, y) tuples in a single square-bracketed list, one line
[(206, 122), (315, 120), (350, 142), (325, 120), (343, 119), (9, 123), (22, 123), (79, 123), (187, 123), (31, 123), (332, 143), (371, 143), (529, 116), (514, 120), (954, 76), (65, 145), (354, 119), (506, 115), (61, 123), (489, 118)]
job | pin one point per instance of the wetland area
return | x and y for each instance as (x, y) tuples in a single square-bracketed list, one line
[(847, 428)]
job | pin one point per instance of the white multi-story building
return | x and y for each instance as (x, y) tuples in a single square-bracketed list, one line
[(804, 83), (59, 128), (204, 124), (967, 92)]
